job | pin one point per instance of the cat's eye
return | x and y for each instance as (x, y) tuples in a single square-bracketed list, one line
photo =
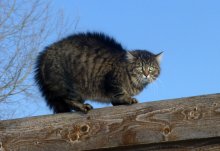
[(151, 69)]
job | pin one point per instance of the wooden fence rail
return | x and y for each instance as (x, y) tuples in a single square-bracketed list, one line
[(191, 123)]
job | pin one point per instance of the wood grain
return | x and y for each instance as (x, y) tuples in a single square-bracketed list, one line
[(178, 124)]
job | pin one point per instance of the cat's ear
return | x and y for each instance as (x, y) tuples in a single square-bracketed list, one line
[(159, 56), (129, 57)]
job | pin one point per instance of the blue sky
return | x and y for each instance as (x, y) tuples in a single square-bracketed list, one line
[(188, 32)]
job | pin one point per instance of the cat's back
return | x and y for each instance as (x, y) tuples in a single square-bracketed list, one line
[(97, 41), (83, 56), (89, 42), (86, 51)]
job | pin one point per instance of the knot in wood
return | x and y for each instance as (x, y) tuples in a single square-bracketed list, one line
[(215, 104), (73, 137), (84, 128), (166, 130), (194, 114)]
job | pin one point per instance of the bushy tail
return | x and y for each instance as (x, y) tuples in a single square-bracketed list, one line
[(56, 103)]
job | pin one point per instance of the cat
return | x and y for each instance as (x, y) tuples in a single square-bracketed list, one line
[(92, 66)]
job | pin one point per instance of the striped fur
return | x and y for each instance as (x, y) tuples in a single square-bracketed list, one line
[(91, 66)]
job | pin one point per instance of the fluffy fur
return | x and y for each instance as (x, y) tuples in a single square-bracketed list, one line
[(92, 66)]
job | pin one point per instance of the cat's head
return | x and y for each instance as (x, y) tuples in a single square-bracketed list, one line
[(145, 64)]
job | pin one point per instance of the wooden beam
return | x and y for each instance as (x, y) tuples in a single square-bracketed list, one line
[(170, 125)]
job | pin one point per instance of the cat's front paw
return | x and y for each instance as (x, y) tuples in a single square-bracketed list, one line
[(86, 107), (133, 101), (127, 101)]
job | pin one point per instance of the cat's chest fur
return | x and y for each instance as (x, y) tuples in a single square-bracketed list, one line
[(96, 89), (134, 84)]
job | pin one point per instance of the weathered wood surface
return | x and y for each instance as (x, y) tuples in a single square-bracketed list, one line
[(173, 125)]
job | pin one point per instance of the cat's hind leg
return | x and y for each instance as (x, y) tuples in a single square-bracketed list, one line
[(78, 106), (76, 103), (125, 101)]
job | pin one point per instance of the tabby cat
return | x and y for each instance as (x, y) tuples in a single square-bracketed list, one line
[(93, 66)]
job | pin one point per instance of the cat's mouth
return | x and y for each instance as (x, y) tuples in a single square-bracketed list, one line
[(150, 78), (146, 74)]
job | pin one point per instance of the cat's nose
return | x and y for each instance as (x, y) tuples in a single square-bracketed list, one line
[(146, 73)]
